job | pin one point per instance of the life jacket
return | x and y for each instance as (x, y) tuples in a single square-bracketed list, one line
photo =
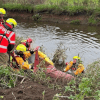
[(74, 67), (6, 37), (7, 26), (19, 60), (14, 61)]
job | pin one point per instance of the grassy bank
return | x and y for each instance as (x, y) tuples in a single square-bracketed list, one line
[(57, 7), (67, 7), (83, 87)]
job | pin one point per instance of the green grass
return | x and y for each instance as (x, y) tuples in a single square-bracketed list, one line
[(84, 86), (67, 7), (75, 22), (19, 7), (73, 2)]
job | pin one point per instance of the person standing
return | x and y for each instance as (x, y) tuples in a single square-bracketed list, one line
[(2, 13), (7, 40)]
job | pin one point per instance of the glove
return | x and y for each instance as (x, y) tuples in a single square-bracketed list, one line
[(31, 52)]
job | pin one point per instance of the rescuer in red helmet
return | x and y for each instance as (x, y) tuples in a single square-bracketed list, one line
[(27, 43)]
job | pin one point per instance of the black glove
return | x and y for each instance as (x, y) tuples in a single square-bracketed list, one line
[(31, 52)]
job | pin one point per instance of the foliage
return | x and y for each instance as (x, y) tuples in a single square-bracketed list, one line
[(6, 78), (76, 10), (66, 7), (1, 2), (37, 17), (59, 55), (92, 20), (86, 86), (75, 22), (19, 7), (41, 7)]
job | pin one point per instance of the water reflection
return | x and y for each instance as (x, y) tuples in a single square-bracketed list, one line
[(78, 39)]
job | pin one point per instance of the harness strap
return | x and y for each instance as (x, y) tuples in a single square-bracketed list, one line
[(5, 36), (7, 27)]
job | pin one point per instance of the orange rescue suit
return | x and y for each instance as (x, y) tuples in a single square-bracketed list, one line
[(23, 64), (79, 69)]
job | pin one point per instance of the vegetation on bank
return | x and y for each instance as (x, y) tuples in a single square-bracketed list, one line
[(60, 7), (83, 87)]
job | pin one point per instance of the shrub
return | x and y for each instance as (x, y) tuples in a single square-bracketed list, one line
[(75, 22)]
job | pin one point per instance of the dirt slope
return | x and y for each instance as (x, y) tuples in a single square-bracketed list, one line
[(28, 90)]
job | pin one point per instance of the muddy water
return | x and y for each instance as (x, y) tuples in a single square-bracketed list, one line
[(76, 39)]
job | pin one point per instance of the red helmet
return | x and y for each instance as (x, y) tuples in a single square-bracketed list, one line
[(29, 40), (66, 63)]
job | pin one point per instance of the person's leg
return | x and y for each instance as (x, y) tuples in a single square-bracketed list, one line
[(4, 59)]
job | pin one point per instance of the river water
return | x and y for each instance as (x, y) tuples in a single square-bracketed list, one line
[(76, 39)]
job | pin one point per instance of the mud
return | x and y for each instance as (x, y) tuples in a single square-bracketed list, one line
[(48, 17), (28, 90)]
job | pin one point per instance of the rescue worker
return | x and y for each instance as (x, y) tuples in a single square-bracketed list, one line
[(7, 40), (21, 54), (27, 43), (75, 66), (2, 13)]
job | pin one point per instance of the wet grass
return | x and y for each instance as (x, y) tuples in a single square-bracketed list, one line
[(75, 22), (84, 87), (67, 7), (18, 7)]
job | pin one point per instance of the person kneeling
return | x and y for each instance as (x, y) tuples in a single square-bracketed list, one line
[(21, 55)]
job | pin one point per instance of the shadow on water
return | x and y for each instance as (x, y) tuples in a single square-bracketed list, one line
[(78, 39)]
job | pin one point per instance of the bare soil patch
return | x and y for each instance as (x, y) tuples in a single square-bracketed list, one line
[(28, 90)]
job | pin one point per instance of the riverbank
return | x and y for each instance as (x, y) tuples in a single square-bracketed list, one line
[(81, 19), (71, 12)]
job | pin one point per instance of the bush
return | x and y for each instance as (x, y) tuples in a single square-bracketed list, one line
[(75, 22)]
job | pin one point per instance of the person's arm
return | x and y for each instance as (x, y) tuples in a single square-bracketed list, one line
[(10, 47), (11, 41), (28, 53)]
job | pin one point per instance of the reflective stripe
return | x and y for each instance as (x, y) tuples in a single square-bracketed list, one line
[(10, 35), (12, 41), (4, 47), (4, 37)]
